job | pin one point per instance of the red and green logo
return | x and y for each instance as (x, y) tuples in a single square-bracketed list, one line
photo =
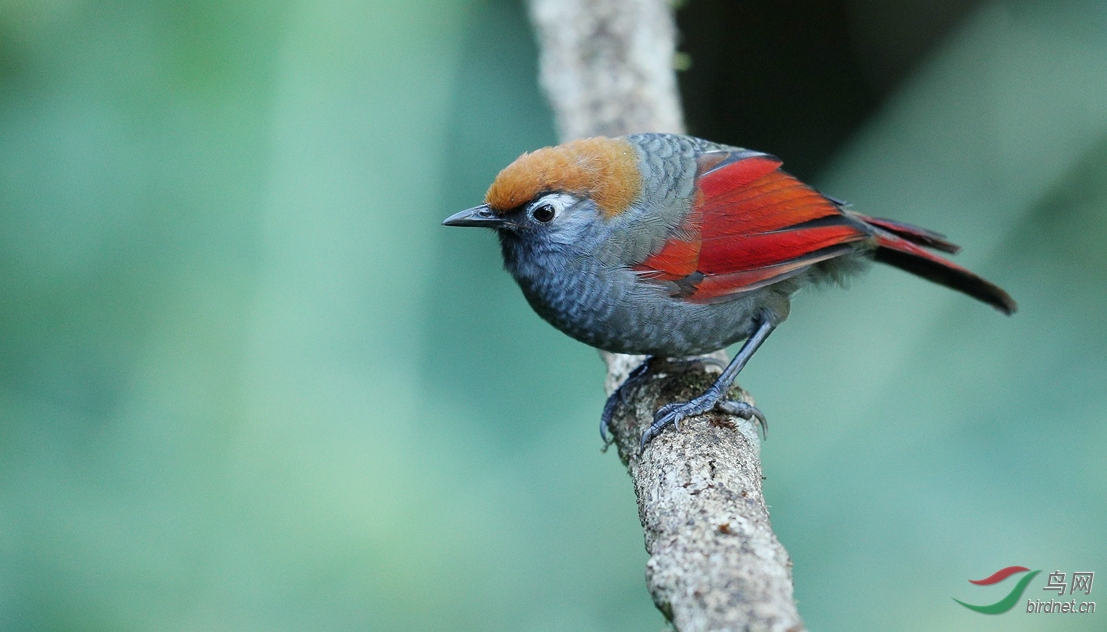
[(1008, 602)]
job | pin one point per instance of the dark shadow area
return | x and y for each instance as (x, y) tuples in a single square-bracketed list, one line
[(796, 79)]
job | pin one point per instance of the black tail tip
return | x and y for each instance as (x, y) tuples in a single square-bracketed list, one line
[(1005, 303), (945, 273)]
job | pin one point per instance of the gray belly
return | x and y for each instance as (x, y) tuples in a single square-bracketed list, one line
[(612, 309)]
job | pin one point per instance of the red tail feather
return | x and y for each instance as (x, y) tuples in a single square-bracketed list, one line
[(912, 233)]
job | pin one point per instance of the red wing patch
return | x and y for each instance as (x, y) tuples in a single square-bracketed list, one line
[(721, 172), (751, 225), (676, 260)]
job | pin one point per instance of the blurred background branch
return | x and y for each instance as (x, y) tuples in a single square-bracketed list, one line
[(715, 564)]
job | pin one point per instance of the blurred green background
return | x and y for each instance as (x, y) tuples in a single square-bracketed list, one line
[(247, 382)]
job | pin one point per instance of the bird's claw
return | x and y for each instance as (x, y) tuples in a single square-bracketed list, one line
[(673, 414), (676, 412), (620, 397), (605, 418), (746, 411)]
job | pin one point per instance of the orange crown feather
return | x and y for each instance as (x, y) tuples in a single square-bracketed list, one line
[(603, 169)]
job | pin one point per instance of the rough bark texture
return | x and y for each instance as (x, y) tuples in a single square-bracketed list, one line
[(715, 564), (607, 66)]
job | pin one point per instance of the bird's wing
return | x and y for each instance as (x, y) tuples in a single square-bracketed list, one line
[(751, 224)]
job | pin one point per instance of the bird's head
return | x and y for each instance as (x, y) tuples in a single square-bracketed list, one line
[(556, 194)]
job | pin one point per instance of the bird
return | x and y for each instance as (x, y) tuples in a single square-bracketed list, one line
[(668, 245)]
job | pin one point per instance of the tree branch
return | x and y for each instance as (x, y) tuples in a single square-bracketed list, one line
[(715, 564)]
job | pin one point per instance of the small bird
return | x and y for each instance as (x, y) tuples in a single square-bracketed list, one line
[(674, 246)]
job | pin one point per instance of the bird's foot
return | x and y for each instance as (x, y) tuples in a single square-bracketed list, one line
[(632, 381), (620, 397), (673, 414), (715, 396), (746, 411)]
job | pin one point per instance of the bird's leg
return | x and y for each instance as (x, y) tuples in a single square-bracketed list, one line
[(636, 376), (715, 394)]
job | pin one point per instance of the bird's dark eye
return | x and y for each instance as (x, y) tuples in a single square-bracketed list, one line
[(543, 213)]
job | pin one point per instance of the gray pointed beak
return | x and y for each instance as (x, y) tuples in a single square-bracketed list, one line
[(481, 215)]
